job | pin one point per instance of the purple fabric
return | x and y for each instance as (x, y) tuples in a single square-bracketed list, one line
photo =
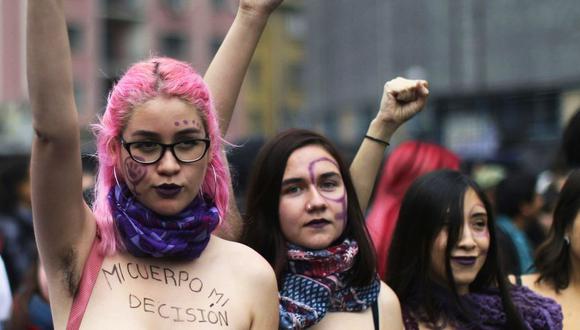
[(146, 234), (318, 281), (538, 312)]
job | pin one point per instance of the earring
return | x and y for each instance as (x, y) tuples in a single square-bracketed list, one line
[(115, 175), (214, 178), (201, 191), (567, 240)]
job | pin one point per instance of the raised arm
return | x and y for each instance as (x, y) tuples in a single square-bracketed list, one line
[(227, 70), (63, 232), (402, 99), (225, 75)]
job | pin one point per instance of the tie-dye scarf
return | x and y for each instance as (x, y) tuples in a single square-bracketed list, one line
[(146, 234), (318, 281)]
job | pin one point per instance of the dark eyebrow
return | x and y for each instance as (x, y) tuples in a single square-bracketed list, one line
[(479, 214), (188, 131), (329, 175), (292, 181), (154, 135), (145, 134)]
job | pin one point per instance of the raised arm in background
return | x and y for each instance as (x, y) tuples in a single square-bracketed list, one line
[(64, 225), (228, 68), (402, 99)]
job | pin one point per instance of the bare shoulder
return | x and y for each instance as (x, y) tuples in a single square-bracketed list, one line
[(529, 280), (258, 278), (390, 309), (243, 259), (387, 297), (539, 287)]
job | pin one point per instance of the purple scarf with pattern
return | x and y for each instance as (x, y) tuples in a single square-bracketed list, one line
[(318, 281), (146, 234)]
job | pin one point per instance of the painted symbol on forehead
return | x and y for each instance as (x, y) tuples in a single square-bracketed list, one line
[(135, 173), (195, 124), (186, 122), (342, 199)]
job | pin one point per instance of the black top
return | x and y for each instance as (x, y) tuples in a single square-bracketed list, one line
[(375, 309)]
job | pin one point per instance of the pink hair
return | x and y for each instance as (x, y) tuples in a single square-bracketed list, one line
[(409, 161), (144, 81)]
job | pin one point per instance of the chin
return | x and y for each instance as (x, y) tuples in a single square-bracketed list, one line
[(168, 209), (318, 244), (464, 280)]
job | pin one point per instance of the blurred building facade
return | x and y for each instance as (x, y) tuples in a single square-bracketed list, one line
[(105, 37), (274, 87), (504, 75)]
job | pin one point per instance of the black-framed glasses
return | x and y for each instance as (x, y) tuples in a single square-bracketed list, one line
[(187, 151)]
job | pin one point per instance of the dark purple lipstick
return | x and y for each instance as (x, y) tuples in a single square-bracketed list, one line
[(464, 261), (317, 223), (168, 190)]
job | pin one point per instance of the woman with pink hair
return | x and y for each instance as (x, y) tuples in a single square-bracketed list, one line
[(409, 161), (144, 256)]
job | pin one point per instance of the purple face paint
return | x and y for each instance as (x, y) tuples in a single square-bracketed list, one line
[(196, 124), (339, 199), (185, 122), (484, 234), (176, 123), (135, 173)]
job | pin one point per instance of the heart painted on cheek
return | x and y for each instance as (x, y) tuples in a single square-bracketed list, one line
[(135, 173)]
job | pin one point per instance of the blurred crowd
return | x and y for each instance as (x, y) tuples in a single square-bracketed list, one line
[(23, 288)]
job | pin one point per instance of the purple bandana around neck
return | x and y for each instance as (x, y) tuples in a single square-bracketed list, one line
[(183, 236), (318, 281)]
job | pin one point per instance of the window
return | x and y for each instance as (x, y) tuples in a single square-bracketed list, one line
[(174, 45), (75, 37)]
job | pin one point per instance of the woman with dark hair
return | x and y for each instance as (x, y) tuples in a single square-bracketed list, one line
[(571, 141), (304, 217), (443, 263), (406, 163), (558, 259)]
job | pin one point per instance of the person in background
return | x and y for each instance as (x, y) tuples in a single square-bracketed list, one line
[(31, 309), (406, 163), (89, 164), (18, 247), (571, 141), (487, 177), (557, 261), (444, 267), (5, 295), (517, 205)]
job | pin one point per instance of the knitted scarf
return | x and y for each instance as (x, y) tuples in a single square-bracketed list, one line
[(486, 307), (146, 234), (318, 281)]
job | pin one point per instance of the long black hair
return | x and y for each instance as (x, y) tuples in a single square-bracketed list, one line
[(433, 202), (553, 256), (262, 222)]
